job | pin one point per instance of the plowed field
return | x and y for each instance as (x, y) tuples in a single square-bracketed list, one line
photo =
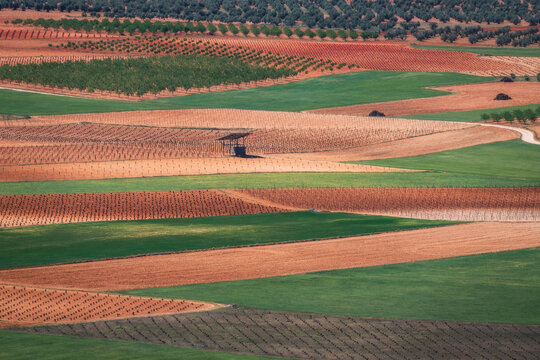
[(379, 55), (465, 204), (24, 210), (233, 119), (173, 167), (26, 306), (465, 98), (420, 145), (284, 259)]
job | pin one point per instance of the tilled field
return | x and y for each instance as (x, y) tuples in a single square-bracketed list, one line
[(419, 145), (174, 167), (464, 98), (280, 259), (380, 55), (313, 336), (235, 119), (464, 204), (22, 305), (25, 210), (25, 142)]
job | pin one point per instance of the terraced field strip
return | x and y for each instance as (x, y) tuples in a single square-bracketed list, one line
[(462, 204), (413, 146), (25, 210), (380, 56), (283, 259), (464, 98), (173, 167), (27, 306), (311, 336), (237, 119), (82, 141)]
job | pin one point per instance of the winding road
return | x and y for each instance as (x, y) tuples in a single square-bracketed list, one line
[(526, 135)]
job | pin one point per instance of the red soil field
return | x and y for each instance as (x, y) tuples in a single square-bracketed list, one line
[(25, 210), (420, 145), (31, 33), (379, 55), (464, 204), (234, 119), (173, 167), (283, 259), (30, 306), (81, 142), (464, 98)]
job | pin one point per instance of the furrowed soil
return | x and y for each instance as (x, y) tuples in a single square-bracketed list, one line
[(420, 145), (26, 210), (27, 306), (282, 259), (313, 336), (379, 55), (83, 141), (462, 204), (465, 98), (173, 167)]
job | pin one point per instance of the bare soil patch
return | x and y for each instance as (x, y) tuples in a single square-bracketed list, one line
[(464, 98), (25, 210), (234, 119), (173, 167), (413, 146), (463, 204), (314, 336), (29, 306), (284, 259)]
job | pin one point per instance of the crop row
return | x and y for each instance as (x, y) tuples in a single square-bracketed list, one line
[(25, 34), (34, 306), (24, 210), (312, 336), (480, 204), (139, 76), (14, 60), (159, 45), (375, 56)]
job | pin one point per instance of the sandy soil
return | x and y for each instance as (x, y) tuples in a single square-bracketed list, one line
[(284, 259), (30, 306), (413, 146), (26, 210), (172, 167), (465, 98), (463, 204)]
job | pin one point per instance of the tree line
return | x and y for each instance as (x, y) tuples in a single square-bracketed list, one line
[(379, 15), (521, 116), (138, 26)]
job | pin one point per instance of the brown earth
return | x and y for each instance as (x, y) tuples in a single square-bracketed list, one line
[(420, 145), (463, 204), (283, 259), (83, 141), (26, 210), (235, 119), (29, 306), (173, 167), (465, 98)]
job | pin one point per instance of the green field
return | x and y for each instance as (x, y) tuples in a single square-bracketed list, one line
[(22, 346), (490, 50), (321, 92), (142, 75), (264, 180), (469, 116), (50, 244), (513, 158), (497, 287)]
